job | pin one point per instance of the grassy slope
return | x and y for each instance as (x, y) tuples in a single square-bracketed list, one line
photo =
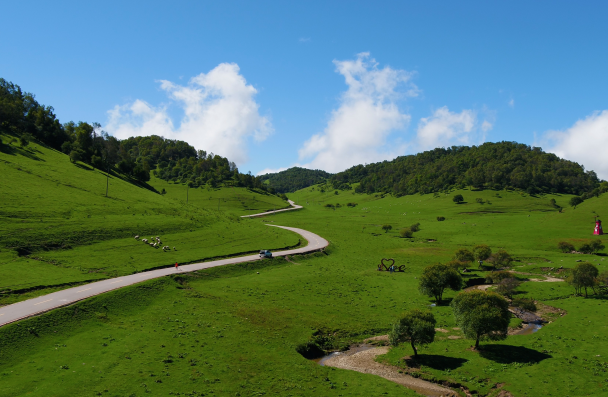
[(68, 231), (241, 327)]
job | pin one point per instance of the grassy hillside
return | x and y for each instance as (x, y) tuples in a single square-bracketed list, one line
[(233, 330), (57, 226)]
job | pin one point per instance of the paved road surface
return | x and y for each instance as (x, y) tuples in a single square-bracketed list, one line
[(32, 307), (294, 206)]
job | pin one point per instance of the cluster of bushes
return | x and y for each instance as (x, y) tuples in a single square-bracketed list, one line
[(408, 232), (586, 248), (481, 253), (576, 200)]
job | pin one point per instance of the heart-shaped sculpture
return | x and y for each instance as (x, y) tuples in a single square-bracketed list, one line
[(387, 260)]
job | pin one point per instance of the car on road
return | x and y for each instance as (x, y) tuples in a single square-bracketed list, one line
[(265, 254)]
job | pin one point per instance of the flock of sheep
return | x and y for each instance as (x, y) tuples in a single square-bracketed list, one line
[(156, 244)]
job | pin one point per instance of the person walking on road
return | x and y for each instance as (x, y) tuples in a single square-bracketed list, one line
[(176, 266)]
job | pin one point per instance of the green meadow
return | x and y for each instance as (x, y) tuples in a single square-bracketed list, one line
[(57, 227), (233, 331)]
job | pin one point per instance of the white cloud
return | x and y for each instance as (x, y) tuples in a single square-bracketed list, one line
[(304, 39), (511, 103), (271, 171), (220, 114), (445, 128), (584, 142), (368, 113)]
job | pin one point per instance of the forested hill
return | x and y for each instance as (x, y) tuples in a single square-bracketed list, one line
[(294, 179), (24, 119), (491, 165)]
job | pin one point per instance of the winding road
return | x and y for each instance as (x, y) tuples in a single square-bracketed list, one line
[(41, 304)]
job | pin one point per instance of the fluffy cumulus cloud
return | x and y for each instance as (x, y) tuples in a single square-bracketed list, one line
[(358, 129), (220, 114), (445, 128), (584, 143)]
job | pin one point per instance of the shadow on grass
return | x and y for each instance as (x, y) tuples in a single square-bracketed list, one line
[(25, 152), (505, 354), (434, 361)]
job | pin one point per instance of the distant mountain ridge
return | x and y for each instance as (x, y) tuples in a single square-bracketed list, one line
[(490, 165), (294, 178)]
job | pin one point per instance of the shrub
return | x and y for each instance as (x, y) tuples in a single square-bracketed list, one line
[(351, 205), (464, 255), (441, 218), (479, 200), (415, 227), (574, 201), (406, 233), (329, 206), (386, 228), (565, 247), (507, 286), (502, 258), (456, 265), (597, 245), (310, 350), (458, 199), (523, 303), (586, 249), (497, 277)]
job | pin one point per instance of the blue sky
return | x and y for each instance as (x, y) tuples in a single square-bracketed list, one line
[(321, 84)]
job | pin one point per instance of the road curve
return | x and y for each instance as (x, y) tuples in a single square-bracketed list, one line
[(41, 304), (294, 206)]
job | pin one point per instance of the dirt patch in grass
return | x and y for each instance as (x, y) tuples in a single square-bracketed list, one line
[(364, 362)]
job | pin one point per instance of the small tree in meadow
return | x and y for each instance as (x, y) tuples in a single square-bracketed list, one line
[(415, 227), (596, 245), (406, 233), (458, 199), (386, 228), (441, 218), (565, 247), (416, 326), (464, 255), (437, 278), (507, 286), (502, 258), (482, 315), (482, 252), (574, 201), (584, 275)]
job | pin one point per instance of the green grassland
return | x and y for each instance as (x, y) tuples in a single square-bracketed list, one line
[(57, 227), (233, 330)]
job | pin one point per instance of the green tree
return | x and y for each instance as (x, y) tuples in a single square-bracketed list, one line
[(586, 248), (596, 246), (415, 227), (406, 233), (437, 278), (386, 228), (416, 326), (482, 252), (565, 247), (584, 275), (458, 199), (574, 201), (502, 258), (25, 139), (76, 155), (482, 315), (464, 255)]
